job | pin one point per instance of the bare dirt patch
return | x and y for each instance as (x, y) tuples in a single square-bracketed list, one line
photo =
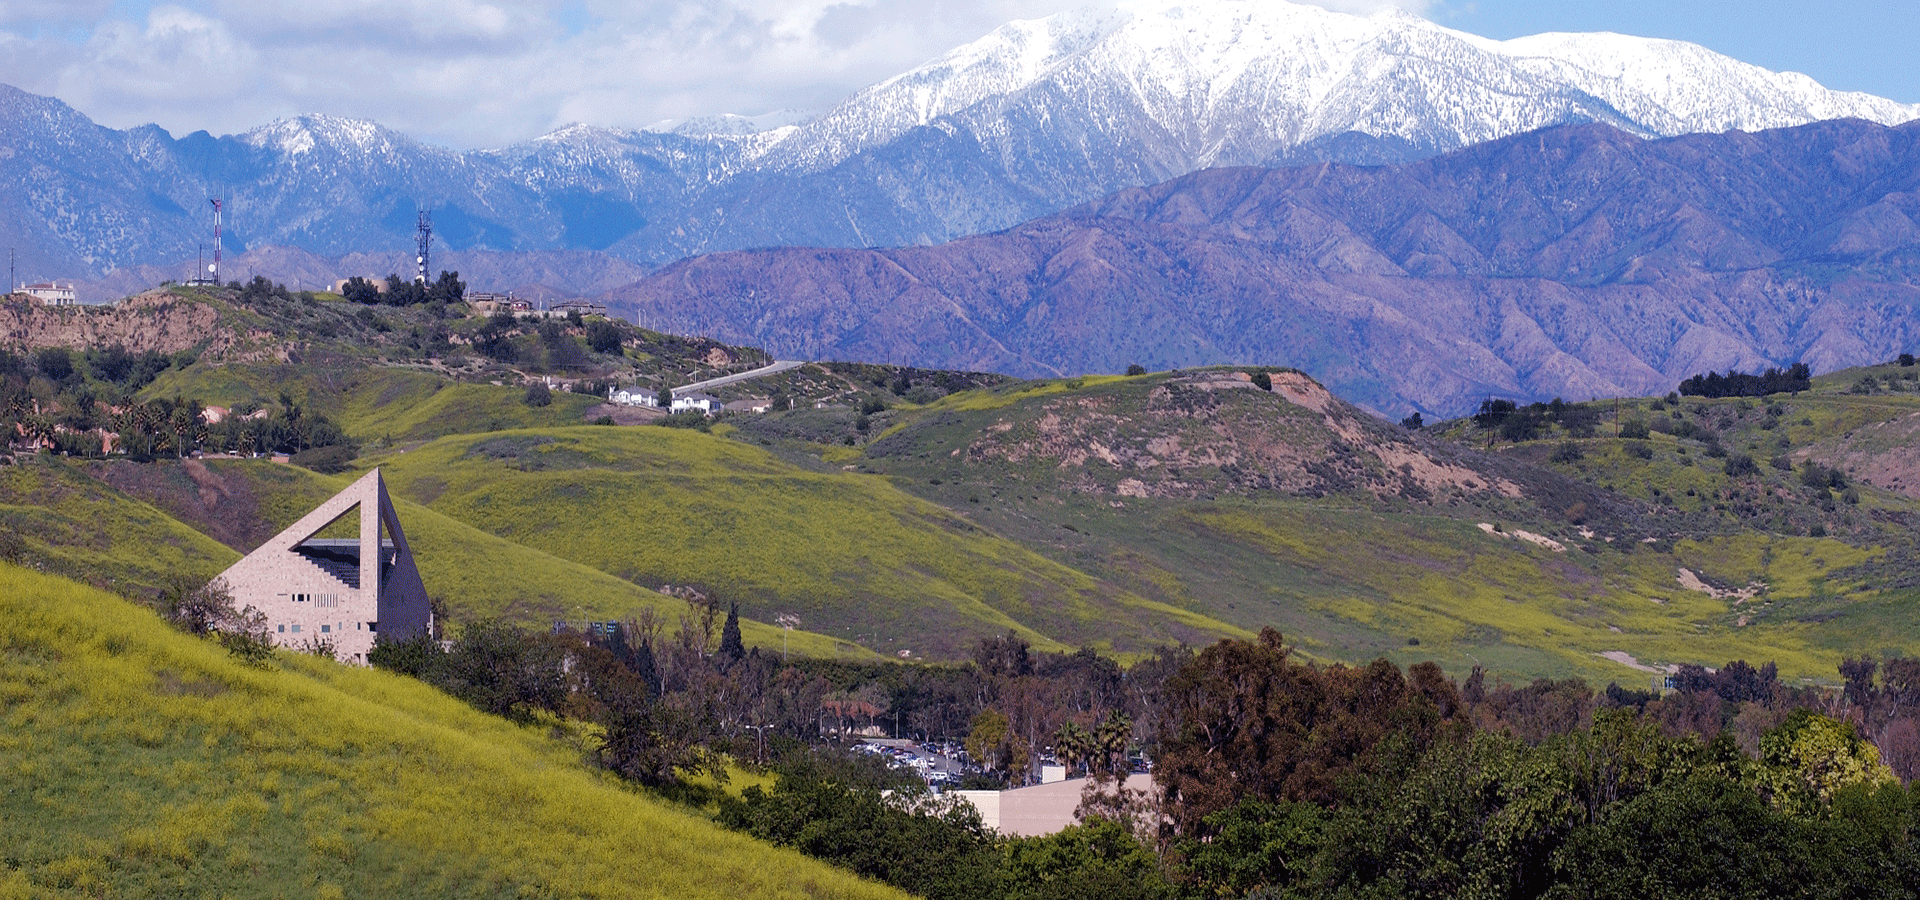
[(1528, 536), (1692, 581), (1626, 659)]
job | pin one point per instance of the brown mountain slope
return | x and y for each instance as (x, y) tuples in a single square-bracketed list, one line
[(1575, 262)]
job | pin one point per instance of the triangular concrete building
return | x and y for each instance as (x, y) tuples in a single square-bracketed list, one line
[(339, 591)]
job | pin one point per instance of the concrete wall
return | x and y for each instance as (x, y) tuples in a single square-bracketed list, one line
[(1040, 809)]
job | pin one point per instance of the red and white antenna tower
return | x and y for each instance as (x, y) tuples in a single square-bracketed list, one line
[(213, 271)]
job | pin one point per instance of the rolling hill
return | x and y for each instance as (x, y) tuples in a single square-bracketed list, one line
[(896, 509), (144, 762)]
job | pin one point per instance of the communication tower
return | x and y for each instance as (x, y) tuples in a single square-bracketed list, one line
[(213, 271), (424, 238)]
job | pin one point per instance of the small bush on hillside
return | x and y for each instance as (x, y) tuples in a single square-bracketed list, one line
[(691, 418), (1636, 429), (1136, 369), (208, 611), (1567, 452), (538, 394)]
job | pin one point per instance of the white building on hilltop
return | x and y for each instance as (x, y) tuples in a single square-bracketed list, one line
[(49, 293)]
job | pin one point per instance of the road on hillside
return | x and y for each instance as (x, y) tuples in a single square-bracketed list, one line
[(774, 369)]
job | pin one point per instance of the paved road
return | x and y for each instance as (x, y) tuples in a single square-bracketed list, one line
[(775, 369)]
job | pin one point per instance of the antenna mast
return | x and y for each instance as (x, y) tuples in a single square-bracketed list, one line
[(424, 239), (213, 271)]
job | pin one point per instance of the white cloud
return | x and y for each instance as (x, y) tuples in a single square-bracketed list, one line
[(178, 59)]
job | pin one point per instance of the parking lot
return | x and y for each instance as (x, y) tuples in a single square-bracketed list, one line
[(940, 765)]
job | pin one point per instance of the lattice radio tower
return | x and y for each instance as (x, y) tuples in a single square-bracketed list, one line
[(213, 271), (424, 239)]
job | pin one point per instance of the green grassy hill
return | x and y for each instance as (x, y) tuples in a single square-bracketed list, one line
[(58, 518), (474, 573), (899, 510), (1569, 552), (849, 554), (139, 761)]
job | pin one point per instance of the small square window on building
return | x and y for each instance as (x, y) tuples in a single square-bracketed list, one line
[(296, 628), (325, 628), (283, 629)]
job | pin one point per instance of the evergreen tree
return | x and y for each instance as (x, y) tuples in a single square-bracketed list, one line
[(732, 649)]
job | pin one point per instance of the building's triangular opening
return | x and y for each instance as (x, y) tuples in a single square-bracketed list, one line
[(389, 552), (335, 548)]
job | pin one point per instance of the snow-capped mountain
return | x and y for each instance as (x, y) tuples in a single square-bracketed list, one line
[(1236, 81), (1033, 118)]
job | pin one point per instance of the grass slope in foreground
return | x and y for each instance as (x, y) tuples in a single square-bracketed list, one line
[(142, 762)]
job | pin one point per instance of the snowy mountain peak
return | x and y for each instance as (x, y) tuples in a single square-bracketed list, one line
[(1241, 81), (303, 134)]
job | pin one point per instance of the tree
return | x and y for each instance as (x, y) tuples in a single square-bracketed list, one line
[(653, 743), (1094, 860), (208, 611), (1699, 836), (1073, 745), (360, 290), (732, 649), (538, 394), (201, 610), (990, 741), (449, 289), (504, 671), (1253, 845), (603, 336), (1413, 422), (1263, 381), (1136, 370), (1809, 758)]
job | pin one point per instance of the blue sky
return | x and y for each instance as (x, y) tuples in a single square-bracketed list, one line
[(1852, 45), (486, 73)]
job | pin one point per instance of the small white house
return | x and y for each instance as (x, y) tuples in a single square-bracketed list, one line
[(633, 396), (703, 402)]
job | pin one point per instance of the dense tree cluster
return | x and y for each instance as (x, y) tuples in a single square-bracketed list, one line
[(1794, 379), (1524, 423), (1284, 779), (397, 292), (1275, 776)]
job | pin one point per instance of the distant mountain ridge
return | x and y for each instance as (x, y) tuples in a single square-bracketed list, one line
[(1033, 118), (1577, 261)]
